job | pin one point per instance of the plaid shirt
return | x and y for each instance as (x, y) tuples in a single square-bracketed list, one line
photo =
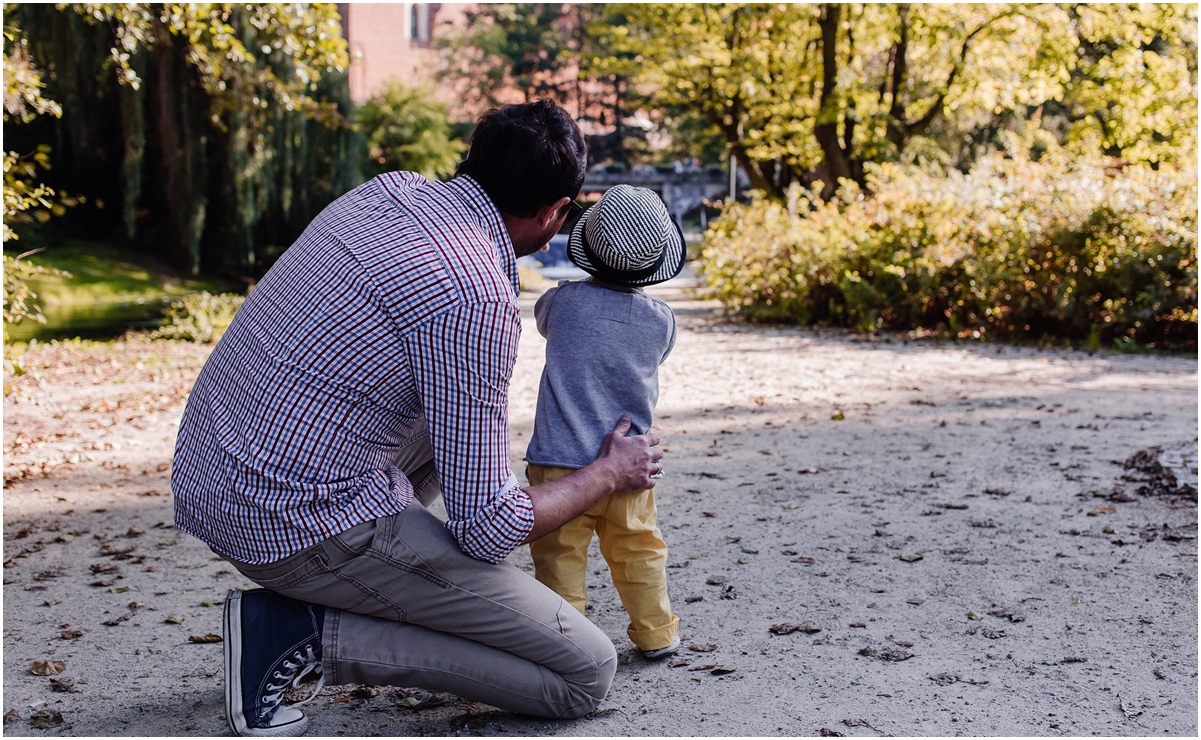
[(398, 300)]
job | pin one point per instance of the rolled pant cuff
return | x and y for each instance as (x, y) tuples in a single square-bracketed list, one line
[(657, 637)]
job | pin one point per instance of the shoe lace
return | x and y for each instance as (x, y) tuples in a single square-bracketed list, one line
[(296, 667)]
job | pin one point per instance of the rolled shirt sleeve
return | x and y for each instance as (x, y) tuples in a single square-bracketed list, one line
[(463, 361)]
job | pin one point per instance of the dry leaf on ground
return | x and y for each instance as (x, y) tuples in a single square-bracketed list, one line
[(46, 667)]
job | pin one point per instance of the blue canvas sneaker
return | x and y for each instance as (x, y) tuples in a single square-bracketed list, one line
[(271, 642)]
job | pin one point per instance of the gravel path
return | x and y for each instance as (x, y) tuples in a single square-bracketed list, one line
[(942, 536)]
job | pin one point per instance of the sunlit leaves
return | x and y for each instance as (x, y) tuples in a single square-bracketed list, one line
[(408, 129), (244, 52)]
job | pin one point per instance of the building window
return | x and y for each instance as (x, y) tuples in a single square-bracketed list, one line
[(419, 21)]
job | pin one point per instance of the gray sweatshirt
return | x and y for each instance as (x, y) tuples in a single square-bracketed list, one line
[(603, 349)]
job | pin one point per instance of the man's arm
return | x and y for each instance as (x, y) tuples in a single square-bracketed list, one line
[(625, 464), (462, 362)]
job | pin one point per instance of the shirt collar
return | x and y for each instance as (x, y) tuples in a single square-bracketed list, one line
[(470, 192)]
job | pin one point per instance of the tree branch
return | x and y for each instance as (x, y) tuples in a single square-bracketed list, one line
[(920, 125)]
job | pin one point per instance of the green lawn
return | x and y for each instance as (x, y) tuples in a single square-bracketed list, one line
[(109, 291)]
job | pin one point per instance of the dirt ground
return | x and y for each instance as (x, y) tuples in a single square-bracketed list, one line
[(943, 535)]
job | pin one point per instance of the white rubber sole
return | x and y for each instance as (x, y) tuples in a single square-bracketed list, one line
[(662, 653), (232, 620)]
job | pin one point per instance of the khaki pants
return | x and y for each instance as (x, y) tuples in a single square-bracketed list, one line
[(633, 547), (408, 608)]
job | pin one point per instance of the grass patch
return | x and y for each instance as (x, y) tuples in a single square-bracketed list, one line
[(110, 290)]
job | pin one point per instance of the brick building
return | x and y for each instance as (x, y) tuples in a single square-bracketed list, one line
[(394, 40)]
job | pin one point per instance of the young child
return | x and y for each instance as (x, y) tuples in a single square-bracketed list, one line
[(605, 339)]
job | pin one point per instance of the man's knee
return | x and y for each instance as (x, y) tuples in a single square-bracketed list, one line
[(589, 685)]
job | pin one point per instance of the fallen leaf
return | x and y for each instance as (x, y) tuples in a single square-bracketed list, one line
[(63, 686), (71, 634), (810, 471), (173, 619), (974, 616), (47, 667), (364, 692), (44, 719), (11, 716), (709, 514), (886, 654), (210, 602), (679, 663), (944, 679), (910, 558), (206, 638), (837, 416), (722, 670), (137, 604), (114, 622), (715, 580), (134, 532), (903, 643), (859, 625), (1107, 509), (915, 601), (1074, 659), (418, 699), (729, 593), (98, 568), (703, 667), (47, 575), (119, 589), (693, 599), (805, 559), (827, 732), (1128, 710), (704, 647)]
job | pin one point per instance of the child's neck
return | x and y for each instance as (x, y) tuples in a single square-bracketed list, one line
[(615, 286)]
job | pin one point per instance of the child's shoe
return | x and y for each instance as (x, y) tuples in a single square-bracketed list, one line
[(663, 652)]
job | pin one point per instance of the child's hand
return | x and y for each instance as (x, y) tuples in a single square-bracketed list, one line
[(634, 459)]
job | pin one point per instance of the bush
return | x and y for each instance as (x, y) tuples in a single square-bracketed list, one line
[(200, 317), (1015, 248), (407, 128)]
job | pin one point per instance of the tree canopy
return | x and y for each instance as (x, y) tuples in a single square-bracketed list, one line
[(219, 129), (808, 92)]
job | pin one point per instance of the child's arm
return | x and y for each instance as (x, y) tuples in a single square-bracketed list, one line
[(671, 334), (542, 309)]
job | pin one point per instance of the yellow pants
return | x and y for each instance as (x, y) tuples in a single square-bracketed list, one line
[(631, 543)]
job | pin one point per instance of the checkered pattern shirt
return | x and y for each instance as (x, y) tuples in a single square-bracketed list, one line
[(399, 300)]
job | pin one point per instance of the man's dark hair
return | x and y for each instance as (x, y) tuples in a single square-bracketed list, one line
[(526, 156)]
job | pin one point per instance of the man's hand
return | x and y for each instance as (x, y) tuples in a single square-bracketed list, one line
[(632, 460), (625, 464)]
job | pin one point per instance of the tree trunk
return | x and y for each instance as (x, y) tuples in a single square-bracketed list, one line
[(826, 129)]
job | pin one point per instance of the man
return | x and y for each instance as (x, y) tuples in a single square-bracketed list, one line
[(367, 373)]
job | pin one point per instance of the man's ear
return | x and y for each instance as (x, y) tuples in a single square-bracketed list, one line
[(549, 212)]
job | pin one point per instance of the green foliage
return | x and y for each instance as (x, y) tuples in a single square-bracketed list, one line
[(803, 92), (18, 296), (506, 48), (237, 48), (25, 199), (201, 317), (220, 127), (408, 129), (1015, 248)]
